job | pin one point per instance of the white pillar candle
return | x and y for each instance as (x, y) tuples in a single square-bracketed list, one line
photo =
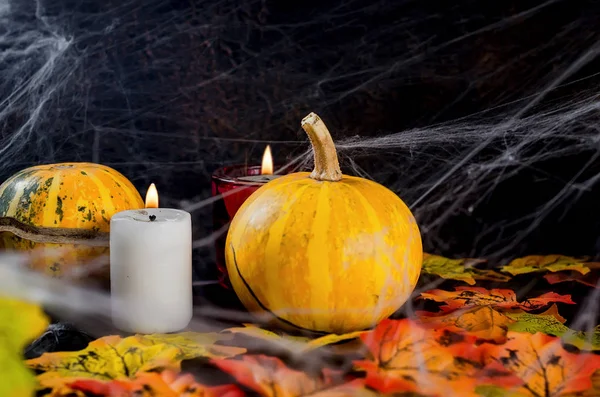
[(151, 270)]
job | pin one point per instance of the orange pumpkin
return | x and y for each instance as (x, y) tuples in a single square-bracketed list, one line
[(63, 198), (322, 251)]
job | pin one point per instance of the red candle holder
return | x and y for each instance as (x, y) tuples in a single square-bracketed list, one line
[(234, 184)]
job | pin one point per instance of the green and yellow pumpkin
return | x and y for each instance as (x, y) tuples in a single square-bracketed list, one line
[(64, 197), (323, 252)]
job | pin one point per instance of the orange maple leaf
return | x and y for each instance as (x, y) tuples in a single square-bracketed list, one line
[(544, 366), (594, 391), (146, 384), (407, 357), (463, 297), (270, 377)]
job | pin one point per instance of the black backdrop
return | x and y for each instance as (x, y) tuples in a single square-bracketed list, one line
[(167, 91)]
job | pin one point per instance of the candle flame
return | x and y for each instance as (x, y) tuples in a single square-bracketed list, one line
[(267, 162), (152, 197)]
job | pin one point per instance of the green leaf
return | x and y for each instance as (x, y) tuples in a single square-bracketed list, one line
[(496, 391), (551, 323)]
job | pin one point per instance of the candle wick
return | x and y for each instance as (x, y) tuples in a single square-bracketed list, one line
[(152, 218)]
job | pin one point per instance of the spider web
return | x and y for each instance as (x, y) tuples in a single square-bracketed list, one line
[(483, 118), (452, 110)]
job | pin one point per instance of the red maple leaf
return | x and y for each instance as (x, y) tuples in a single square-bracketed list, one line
[(270, 377), (150, 384), (463, 297)]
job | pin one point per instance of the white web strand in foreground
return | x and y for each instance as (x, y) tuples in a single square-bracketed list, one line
[(90, 310)]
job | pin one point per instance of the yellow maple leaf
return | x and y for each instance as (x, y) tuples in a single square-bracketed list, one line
[(459, 269), (192, 344), (298, 343), (334, 338), (114, 358), (551, 263), (257, 332), (20, 323)]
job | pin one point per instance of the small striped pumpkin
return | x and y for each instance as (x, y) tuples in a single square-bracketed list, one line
[(67, 196), (323, 252)]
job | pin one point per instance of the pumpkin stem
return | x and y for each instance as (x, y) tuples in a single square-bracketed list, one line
[(327, 167)]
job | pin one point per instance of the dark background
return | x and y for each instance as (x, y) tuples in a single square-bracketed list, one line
[(168, 91)]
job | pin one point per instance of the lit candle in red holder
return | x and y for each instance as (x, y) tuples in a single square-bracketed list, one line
[(235, 184)]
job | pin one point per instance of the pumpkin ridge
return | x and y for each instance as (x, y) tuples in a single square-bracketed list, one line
[(389, 255), (374, 224), (262, 306), (399, 210), (273, 246), (277, 183), (8, 193), (123, 181), (130, 193), (108, 205), (318, 251), (52, 200), (19, 198)]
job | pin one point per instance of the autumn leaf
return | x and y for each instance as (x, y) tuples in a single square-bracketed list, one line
[(480, 312), (192, 344), (298, 343), (496, 391), (591, 279), (459, 269), (20, 323), (543, 365), (551, 263), (594, 391), (483, 322), (551, 323), (116, 358), (506, 299), (407, 357), (270, 377), (148, 384), (334, 338), (257, 332), (538, 321)]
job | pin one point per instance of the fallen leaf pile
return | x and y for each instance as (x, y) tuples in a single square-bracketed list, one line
[(476, 332)]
